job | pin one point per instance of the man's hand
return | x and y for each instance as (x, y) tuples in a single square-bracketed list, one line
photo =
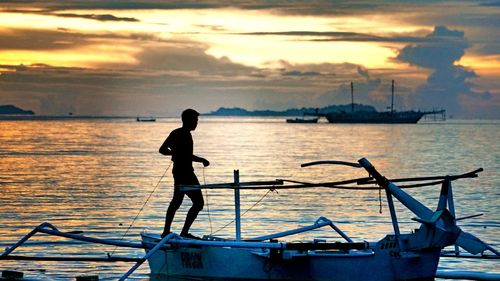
[(201, 159)]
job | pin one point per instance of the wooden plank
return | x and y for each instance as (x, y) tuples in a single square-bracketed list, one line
[(83, 259)]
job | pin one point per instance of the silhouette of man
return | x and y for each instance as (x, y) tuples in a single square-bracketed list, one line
[(179, 144)]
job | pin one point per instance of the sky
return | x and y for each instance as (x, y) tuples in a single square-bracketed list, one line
[(156, 58)]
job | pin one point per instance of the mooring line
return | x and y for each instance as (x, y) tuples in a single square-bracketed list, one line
[(143, 205), (255, 204)]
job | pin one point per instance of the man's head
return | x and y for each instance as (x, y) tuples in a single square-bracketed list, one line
[(190, 119)]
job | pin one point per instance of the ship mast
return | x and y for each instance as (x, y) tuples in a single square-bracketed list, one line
[(392, 97), (352, 97)]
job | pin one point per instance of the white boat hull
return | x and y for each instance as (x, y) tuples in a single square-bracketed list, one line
[(226, 263)]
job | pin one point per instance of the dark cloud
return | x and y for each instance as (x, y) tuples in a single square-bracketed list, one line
[(489, 49), (168, 75), (332, 36), (29, 39), (62, 38), (55, 90), (163, 89), (364, 88), (313, 7), (113, 4), (363, 72), (167, 78), (491, 4), (478, 19), (436, 54), (357, 37), (448, 84), (299, 73), (98, 17), (101, 17)]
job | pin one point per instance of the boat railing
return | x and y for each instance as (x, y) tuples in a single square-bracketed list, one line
[(321, 222), (374, 178), (48, 228), (157, 247)]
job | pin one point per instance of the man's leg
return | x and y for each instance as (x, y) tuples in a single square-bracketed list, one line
[(197, 198), (172, 208)]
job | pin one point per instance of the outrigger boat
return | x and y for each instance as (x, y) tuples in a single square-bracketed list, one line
[(398, 256), (146, 119), (302, 120)]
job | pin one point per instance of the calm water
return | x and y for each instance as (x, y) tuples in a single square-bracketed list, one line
[(95, 175)]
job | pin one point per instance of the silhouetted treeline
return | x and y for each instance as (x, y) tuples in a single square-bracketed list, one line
[(13, 110), (237, 111)]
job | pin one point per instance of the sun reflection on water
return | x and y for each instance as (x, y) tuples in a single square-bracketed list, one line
[(95, 175)]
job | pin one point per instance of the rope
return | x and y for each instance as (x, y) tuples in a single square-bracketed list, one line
[(143, 205), (255, 204)]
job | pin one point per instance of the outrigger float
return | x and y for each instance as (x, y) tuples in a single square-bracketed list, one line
[(412, 256)]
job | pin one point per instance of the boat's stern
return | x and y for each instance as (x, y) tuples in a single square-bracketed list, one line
[(404, 261)]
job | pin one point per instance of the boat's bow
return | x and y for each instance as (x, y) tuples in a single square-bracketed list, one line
[(438, 228)]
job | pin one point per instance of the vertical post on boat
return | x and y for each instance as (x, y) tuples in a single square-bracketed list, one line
[(237, 204), (392, 210), (390, 189), (451, 207)]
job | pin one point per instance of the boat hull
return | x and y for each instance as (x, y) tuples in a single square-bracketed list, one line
[(406, 117), (225, 263), (298, 120)]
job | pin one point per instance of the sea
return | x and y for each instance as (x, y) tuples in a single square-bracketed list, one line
[(105, 177)]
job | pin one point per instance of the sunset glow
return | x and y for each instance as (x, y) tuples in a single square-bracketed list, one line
[(230, 40)]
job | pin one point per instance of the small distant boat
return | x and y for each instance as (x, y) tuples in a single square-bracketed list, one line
[(146, 119), (313, 119), (302, 120)]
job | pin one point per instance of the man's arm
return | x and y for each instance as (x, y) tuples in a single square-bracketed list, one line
[(165, 147), (201, 160)]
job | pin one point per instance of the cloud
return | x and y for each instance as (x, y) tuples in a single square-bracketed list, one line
[(55, 5), (331, 84), (99, 17), (190, 57), (163, 86), (448, 83), (333, 36), (436, 54), (60, 39), (489, 49), (181, 72), (313, 7), (299, 73), (491, 4), (363, 72), (166, 80), (103, 49), (29, 39)]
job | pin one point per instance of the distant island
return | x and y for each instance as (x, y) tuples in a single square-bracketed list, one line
[(237, 111), (13, 110)]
